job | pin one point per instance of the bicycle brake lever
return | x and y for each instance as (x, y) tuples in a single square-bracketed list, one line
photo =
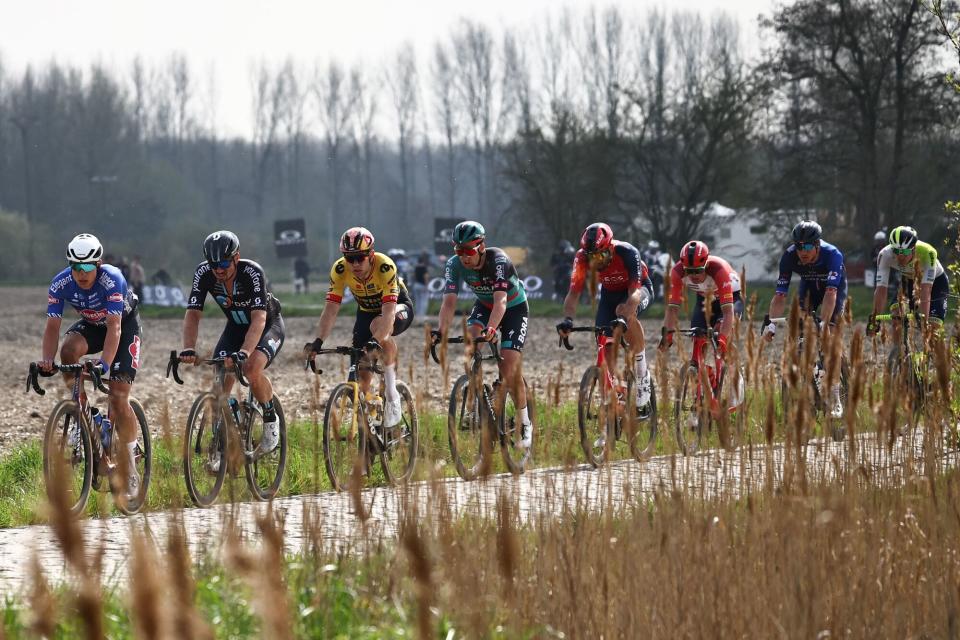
[(33, 381), (173, 367)]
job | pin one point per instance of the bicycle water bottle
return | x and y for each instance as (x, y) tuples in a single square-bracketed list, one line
[(104, 426), (374, 407), (234, 408)]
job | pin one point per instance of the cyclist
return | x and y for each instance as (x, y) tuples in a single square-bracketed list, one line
[(254, 333), (625, 292), (109, 324), (704, 274), (916, 261), (384, 309), (823, 285), (501, 304)]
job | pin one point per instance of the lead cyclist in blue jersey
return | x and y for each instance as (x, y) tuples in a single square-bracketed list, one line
[(501, 305), (254, 332), (109, 324), (823, 285)]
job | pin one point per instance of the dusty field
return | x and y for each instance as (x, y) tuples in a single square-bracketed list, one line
[(23, 416)]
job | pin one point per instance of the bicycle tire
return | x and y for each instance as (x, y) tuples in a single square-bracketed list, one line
[(265, 475), (509, 429), (642, 434), (837, 426), (343, 450), (688, 414), (596, 436), (468, 429), (731, 430), (401, 441), (144, 464), (80, 461), (205, 459)]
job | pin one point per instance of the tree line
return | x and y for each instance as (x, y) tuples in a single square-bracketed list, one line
[(640, 120)]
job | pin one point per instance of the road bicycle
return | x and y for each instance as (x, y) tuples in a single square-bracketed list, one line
[(698, 399), (607, 402), (354, 434), (74, 443), (482, 415), (829, 403), (908, 361), (223, 433)]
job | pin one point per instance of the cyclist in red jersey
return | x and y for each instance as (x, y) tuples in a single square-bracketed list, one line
[(625, 292), (706, 275)]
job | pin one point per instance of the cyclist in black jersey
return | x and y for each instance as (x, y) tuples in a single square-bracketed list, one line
[(254, 333)]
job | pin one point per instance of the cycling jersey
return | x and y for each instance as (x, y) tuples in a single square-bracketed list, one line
[(625, 272), (721, 280), (497, 273), (109, 296), (248, 294), (825, 272), (381, 287), (924, 255)]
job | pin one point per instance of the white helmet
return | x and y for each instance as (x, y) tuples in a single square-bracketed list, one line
[(84, 248), (879, 236)]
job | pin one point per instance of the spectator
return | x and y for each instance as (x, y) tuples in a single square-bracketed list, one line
[(162, 278), (870, 272), (137, 277), (421, 294), (301, 275), (562, 264)]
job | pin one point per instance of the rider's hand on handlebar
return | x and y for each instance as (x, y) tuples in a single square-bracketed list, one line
[(435, 338), (239, 357), (489, 333), (372, 346), (187, 356), (768, 330), (45, 365), (564, 327), (666, 339), (101, 366), (312, 348), (722, 345), (872, 325)]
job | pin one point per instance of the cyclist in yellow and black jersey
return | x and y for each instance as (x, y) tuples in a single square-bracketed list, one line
[(384, 308)]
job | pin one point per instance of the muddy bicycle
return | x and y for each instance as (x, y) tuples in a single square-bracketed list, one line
[(223, 433), (483, 415), (697, 399), (85, 448), (607, 402), (354, 434), (908, 362)]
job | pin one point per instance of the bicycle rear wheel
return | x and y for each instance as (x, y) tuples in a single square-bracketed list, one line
[(468, 429), (344, 436), (67, 457), (593, 418), (204, 449), (264, 474), (399, 454), (143, 463), (688, 414)]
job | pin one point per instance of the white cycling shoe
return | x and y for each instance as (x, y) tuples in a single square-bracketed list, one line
[(526, 436), (392, 413), (270, 438)]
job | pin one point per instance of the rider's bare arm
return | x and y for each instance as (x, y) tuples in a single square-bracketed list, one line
[(828, 306), (112, 340), (327, 317), (191, 327), (499, 308), (258, 322), (447, 307), (570, 303), (926, 289), (726, 326), (671, 316), (51, 338), (879, 298), (778, 304), (382, 330)]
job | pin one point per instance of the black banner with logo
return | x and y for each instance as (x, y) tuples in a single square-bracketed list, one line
[(443, 235), (290, 238)]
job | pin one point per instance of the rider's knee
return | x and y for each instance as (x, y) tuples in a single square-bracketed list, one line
[(71, 352)]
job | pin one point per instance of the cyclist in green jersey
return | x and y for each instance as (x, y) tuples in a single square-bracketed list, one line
[(501, 305)]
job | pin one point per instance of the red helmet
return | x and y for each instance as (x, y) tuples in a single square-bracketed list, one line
[(597, 237), (694, 255), (356, 240)]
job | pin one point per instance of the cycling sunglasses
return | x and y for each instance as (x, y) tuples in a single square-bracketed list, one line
[(598, 256), (805, 246), (220, 264), (473, 250), (355, 258), (694, 271), (85, 267), (903, 252)]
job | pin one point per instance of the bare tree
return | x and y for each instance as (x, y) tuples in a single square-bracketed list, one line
[(270, 103), (403, 81), (180, 82), (364, 135), (445, 111), (335, 102)]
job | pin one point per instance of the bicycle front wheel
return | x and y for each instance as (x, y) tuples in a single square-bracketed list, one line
[(67, 457), (400, 442), (688, 410), (204, 449), (510, 428), (344, 436), (593, 417), (264, 473), (468, 429), (642, 429), (142, 464)]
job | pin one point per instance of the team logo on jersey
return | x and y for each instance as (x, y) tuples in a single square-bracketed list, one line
[(135, 352), (115, 297), (52, 300), (386, 267), (339, 268), (93, 315)]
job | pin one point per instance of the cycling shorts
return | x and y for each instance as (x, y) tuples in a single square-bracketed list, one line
[(233, 336), (513, 326), (609, 300), (938, 295), (127, 361), (699, 319), (402, 320)]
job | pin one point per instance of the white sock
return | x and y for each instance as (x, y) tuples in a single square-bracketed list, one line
[(132, 451), (524, 416), (640, 365), (390, 382)]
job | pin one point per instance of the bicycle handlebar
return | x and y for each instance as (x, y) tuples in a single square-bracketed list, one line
[(173, 368), (619, 323), (494, 346), (35, 373), (311, 364)]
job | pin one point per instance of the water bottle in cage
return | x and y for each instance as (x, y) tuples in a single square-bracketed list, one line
[(374, 408), (234, 408), (104, 428)]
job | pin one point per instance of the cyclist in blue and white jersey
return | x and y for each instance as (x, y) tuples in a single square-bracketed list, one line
[(109, 324), (823, 285), (254, 333)]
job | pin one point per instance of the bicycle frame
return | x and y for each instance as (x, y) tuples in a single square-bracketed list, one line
[(81, 371), (357, 365), (476, 367)]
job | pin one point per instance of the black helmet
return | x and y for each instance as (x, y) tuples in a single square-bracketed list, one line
[(807, 231), (220, 245)]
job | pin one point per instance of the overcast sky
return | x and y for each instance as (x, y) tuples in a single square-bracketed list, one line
[(227, 36)]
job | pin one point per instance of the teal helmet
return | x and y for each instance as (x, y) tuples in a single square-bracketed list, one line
[(468, 231)]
